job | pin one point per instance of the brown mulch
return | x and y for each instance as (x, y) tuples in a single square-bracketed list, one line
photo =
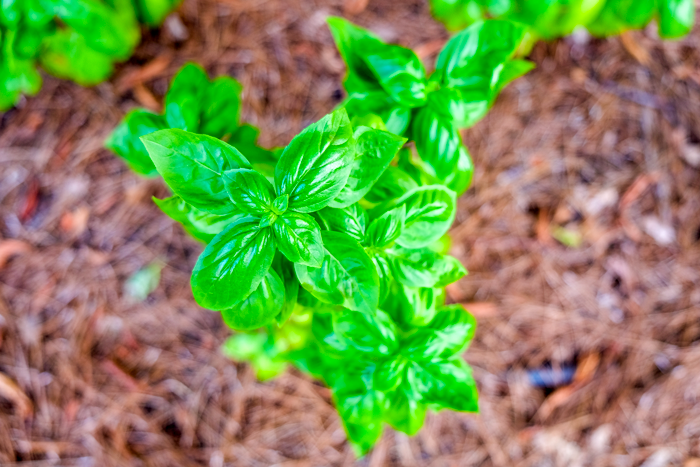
[(600, 145)]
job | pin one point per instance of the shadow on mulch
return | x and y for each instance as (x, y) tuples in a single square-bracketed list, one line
[(581, 234)]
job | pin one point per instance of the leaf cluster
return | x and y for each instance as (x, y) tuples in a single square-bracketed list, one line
[(389, 83), (552, 19), (73, 39)]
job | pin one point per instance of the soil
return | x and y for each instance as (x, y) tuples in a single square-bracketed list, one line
[(581, 234)]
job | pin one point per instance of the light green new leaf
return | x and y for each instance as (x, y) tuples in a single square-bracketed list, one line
[(384, 230), (351, 220), (249, 191), (233, 264), (430, 211), (447, 334), (445, 384), (298, 237), (374, 151), (193, 166), (423, 267), (346, 277), (315, 166)]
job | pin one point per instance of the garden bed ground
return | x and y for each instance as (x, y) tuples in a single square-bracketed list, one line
[(599, 145)]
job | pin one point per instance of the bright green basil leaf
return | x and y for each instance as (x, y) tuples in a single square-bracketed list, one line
[(315, 166), (470, 58), (405, 413), (351, 41), (221, 107), (373, 334), (285, 269), (125, 140), (397, 119), (361, 414), (253, 348), (440, 146), (153, 12), (233, 264), (447, 334), (260, 307), (374, 151), (430, 211), (17, 76), (381, 265), (423, 267), (676, 18), (371, 62), (298, 237), (445, 384), (351, 220), (392, 184), (66, 54), (413, 306), (346, 277), (390, 374), (249, 191), (184, 100), (200, 224), (509, 72), (384, 230), (193, 166)]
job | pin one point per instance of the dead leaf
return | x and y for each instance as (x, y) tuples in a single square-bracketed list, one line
[(146, 98), (151, 70), (632, 45), (481, 309), (544, 235), (75, 222), (354, 7), (10, 248), (586, 368), (10, 391), (430, 48)]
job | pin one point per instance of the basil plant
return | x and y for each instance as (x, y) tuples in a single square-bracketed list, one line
[(332, 259), (80, 40), (390, 82), (552, 19)]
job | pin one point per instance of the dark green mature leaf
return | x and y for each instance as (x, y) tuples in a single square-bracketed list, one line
[(373, 334), (346, 277), (430, 211), (392, 184), (249, 191), (445, 384), (183, 102), (285, 269), (221, 107), (374, 151), (384, 230), (423, 267), (370, 61), (153, 12), (440, 147), (315, 166), (405, 413), (17, 75), (260, 307), (298, 237), (193, 166), (233, 264), (351, 220), (125, 140), (200, 224), (446, 335)]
